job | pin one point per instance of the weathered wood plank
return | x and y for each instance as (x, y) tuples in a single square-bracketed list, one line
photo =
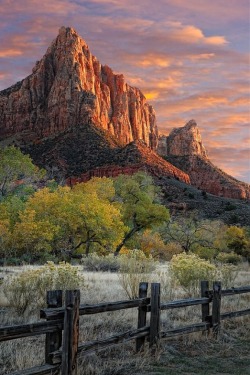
[(32, 329), (98, 345), (71, 333), (184, 303), (53, 340), (216, 307), (185, 330), (155, 314), (142, 315), (95, 309), (238, 290), (234, 314), (38, 370), (205, 306)]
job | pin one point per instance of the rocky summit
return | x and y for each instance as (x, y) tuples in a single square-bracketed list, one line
[(183, 148), (68, 87), (78, 119)]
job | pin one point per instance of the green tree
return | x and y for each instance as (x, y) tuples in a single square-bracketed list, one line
[(140, 206), (237, 241), (190, 232), (14, 165), (10, 209)]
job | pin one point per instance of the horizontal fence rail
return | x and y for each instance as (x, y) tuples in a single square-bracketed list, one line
[(184, 330), (232, 291), (62, 350), (184, 303), (96, 309), (33, 329)]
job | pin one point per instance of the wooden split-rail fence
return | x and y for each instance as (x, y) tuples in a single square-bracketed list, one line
[(62, 324)]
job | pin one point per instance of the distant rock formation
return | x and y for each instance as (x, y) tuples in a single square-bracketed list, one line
[(69, 87), (184, 149), (182, 142)]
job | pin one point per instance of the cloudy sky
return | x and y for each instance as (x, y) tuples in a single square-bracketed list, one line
[(190, 59)]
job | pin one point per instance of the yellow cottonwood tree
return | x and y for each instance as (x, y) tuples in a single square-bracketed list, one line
[(70, 219)]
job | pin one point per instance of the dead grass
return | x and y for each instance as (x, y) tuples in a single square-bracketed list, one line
[(189, 354)]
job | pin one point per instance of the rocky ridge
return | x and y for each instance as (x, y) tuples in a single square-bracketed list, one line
[(183, 148)]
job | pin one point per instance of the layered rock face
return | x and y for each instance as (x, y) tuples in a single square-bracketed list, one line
[(184, 149), (68, 88)]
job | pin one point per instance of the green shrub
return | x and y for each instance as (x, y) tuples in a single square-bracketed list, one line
[(231, 257), (135, 267), (227, 273), (206, 252), (95, 262), (26, 292), (229, 207), (189, 270)]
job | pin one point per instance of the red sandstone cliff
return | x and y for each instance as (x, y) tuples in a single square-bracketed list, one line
[(69, 87), (184, 149)]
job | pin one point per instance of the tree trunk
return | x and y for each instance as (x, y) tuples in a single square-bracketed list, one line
[(126, 238), (87, 248)]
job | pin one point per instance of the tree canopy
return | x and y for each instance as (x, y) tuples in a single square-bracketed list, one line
[(14, 165), (140, 206), (65, 220)]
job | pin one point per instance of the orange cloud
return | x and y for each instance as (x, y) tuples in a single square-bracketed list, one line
[(216, 40), (192, 34), (151, 95), (152, 60), (10, 52), (201, 56)]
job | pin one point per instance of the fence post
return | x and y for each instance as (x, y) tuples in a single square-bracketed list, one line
[(142, 315), (71, 333), (53, 340), (154, 330), (205, 307), (216, 307)]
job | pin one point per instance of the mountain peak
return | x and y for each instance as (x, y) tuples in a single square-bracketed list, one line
[(183, 141), (67, 30), (68, 87), (191, 124)]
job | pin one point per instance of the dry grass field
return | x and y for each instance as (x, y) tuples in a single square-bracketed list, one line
[(188, 354)]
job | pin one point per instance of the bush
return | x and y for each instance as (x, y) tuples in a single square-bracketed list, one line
[(135, 267), (227, 273), (231, 257), (171, 249), (229, 207), (26, 292), (206, 252), (95, 262), (189, 270)]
